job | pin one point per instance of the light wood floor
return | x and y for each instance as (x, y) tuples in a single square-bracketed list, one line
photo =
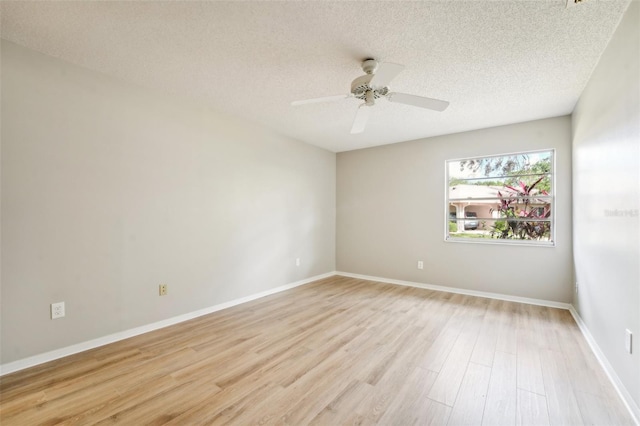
[(338, 351)]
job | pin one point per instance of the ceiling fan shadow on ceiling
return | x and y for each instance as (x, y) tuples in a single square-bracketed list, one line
[(375, 85)]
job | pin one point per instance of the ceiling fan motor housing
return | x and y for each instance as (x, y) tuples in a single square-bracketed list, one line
[(360, 87)]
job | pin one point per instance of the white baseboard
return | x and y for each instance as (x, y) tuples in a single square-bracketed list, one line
[(456, 290), (121, 335), (631, 405)]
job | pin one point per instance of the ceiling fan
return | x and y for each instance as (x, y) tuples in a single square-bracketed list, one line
[(375, 85)]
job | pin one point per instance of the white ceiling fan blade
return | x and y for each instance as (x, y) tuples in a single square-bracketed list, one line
[(386, 72), (318, 100), (419, 101), (360, 121)]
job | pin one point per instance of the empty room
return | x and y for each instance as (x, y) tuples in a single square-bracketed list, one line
[(320, 213)]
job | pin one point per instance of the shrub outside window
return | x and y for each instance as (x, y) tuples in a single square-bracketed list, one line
[(501, 199)]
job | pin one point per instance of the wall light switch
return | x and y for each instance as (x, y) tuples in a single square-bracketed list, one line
[(628, 340)]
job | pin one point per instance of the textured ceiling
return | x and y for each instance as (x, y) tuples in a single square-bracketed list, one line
[(497, 62)]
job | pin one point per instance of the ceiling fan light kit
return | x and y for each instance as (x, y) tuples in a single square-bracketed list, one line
[(375, 85)]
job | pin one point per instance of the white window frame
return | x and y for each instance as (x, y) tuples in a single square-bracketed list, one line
[(552, 198)]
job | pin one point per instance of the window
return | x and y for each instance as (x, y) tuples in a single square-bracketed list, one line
[(501, 199)]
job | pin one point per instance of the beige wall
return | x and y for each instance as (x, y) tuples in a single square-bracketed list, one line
[(606, 197), (391, 213), (109, 190)]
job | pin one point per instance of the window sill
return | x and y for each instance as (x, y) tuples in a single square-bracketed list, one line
[(527, 243)]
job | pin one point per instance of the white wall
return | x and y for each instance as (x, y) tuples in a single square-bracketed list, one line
[(390, 214), (109, 190), (606, 176)]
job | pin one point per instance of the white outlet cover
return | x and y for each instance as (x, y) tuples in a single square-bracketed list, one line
[(628, 341), (57, 310)]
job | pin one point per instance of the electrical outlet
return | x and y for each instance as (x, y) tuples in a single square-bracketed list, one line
[(57, 310), (297, 261), (420, 264), (576, 286), (628, 341), (163, 289)]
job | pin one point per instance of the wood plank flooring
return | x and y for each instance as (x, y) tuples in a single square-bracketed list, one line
[(337, 351)]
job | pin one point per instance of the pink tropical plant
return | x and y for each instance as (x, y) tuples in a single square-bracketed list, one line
[(522, 220)]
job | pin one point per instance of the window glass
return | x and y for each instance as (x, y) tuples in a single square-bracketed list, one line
[(501, 198)]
